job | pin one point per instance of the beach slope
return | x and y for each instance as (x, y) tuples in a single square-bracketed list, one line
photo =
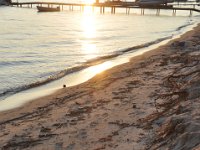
[(152, 102)]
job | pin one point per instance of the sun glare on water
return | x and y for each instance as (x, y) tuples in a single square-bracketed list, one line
[(88, 26), (100, 68)]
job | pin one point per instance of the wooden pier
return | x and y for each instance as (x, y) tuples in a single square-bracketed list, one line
[(113, 6)]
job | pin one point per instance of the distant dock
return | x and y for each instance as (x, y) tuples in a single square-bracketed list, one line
[(113, 5)]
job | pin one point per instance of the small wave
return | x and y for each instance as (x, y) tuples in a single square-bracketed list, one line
[(183, 26), (61, 74), (80, 67), (84, 65), (145, 45)]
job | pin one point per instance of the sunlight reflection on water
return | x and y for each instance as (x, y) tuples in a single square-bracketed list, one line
[(37, 46)]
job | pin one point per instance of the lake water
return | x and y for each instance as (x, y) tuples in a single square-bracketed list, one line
[(36, 48)]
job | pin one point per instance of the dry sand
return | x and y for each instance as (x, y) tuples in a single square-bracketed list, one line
[(153, 102)]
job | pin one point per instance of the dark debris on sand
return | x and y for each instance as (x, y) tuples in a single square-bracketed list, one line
[(177, 121)]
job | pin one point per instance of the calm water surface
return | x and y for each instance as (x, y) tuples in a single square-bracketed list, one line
[(38, 46)]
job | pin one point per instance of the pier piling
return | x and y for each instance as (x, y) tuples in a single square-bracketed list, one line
[(113, 6), (190, 12), (157, 12), (142, 11)]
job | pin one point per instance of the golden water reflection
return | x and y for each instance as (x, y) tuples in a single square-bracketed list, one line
[(88, 25), (100, 68), (89, 50)]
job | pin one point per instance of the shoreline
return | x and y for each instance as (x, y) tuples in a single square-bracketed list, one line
[(120, 108), (89, 70)]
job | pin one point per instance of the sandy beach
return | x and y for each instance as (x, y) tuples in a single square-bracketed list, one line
[(152, 102)]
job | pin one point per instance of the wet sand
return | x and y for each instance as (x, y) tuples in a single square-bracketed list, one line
[(152, 102)]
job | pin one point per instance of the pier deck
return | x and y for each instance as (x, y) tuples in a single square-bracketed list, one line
[(113, 6)]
